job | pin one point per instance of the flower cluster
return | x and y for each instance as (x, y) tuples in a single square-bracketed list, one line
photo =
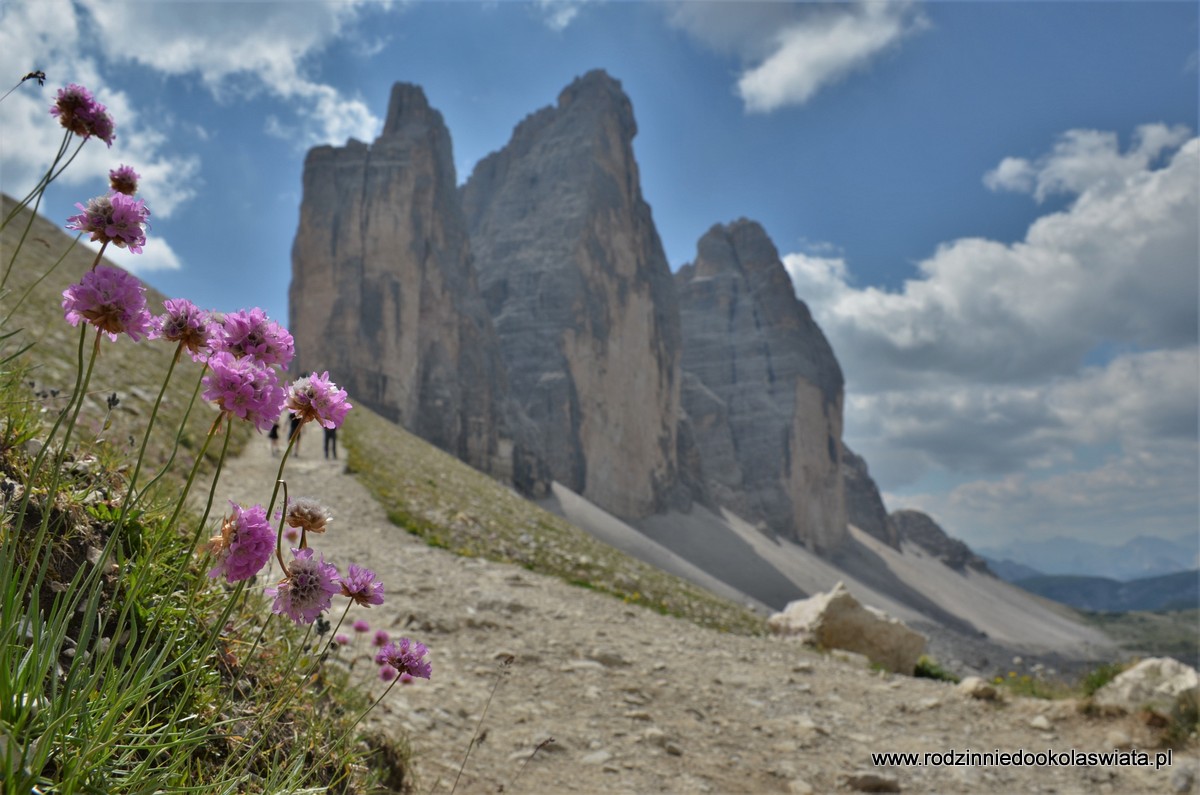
[(317, 398), (111, 300), (308, 515), (186, 324), (406, 657), (361, 587), (251, 333), (80, 113), (244, 545), (308, 588), (113, 218), (123, 180), (244, 388)]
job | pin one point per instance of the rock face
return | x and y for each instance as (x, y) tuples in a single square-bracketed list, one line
[(864, 506), (763, 391), (578, 287), (920, 529), (1156, 683), (836, 620), (383, 292)]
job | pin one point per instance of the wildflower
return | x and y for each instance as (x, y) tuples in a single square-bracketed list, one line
[(111, 300), (114, 218), (124, 180), (360, 585), (251, 333), (407, 657), (307, 590), (387, 673), (381, 638), (341, 639), (318, 398), (308, 515), (361, 626), (244, 388), (244, 545), (80, 113), (291, 534), (184, 323)]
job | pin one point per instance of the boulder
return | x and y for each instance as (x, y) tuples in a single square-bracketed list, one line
[(836, 620), (1156, 683)]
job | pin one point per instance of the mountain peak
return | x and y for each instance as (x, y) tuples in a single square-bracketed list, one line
[(598, 93), (406, 105)]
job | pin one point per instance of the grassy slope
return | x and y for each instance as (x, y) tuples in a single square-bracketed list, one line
[(1170, 634), (449, 504)]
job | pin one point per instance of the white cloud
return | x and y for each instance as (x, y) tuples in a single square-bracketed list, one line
[(975, 369), (558, 14), (157, 255), (46, 36), (792, 51), (243, 49)]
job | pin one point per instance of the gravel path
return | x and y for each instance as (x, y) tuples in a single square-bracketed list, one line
[(641, 703)]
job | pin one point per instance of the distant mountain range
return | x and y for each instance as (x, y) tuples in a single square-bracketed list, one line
[(1141, 557), (1178, 591)]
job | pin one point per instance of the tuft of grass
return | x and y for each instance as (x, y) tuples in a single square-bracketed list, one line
[(928, 668), (450, 505)]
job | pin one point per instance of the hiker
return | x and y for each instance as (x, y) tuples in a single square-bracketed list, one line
[(331, 442), (294, 433)]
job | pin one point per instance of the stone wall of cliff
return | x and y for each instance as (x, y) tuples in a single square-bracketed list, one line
[(763, 389), (383, 292), (578, 287)]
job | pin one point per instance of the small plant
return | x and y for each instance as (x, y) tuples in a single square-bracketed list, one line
[(928, 668), (1099, 676)]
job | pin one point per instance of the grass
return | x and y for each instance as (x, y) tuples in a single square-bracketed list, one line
[(123, 668), (452, 506), (1161, 634)]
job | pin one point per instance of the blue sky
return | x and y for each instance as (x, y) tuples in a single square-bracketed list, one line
[(989, 207)]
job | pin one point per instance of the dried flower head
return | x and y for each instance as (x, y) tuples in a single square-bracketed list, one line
[(186, 324), (317, 398), (407, 657), (79, 112), (308, 515), (123, 179), (251, 333), (307, 590), (113, 218), (111, 300), (244, 545), (361, 586), (244, 388)]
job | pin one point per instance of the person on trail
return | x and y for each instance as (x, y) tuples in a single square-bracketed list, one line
[(331, 442)]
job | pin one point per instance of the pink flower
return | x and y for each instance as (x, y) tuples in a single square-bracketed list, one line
[(360, 585), (387, 673), (244, 545), (111, 300), (341, 640), (361, 626), (381, 638), (407, 657), (291, 534), (113, 218), (124, 179), (186, 324), (307, 590), (80, 113), (244, 388), (252, 333), (318, 398)]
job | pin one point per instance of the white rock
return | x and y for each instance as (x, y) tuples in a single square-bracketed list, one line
[(836, 620), (1042, 723), (595, 758), (975, 687), (1155, 683)]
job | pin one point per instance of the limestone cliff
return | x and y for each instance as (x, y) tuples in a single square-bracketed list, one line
[(919, 528), (864, 506), (383, 292), (579, 290), (766, 398)]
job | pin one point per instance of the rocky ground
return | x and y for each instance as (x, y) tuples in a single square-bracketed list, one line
[(638, 702)]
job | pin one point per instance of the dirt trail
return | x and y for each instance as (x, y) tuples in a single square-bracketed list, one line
[(641, 703)]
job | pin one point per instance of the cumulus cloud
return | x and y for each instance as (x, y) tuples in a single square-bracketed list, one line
[(157, 256), (792, 51), (244, 48), (47, 36), (1011, 365)]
